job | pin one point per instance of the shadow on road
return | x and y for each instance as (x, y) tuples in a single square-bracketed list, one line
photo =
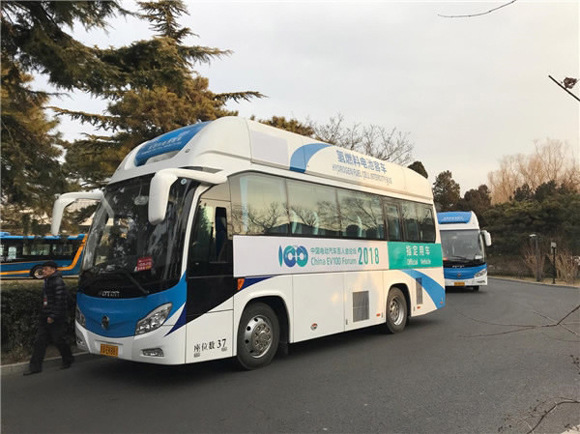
[(127, 373)]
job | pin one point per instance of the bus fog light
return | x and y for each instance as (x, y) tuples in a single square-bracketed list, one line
[(153, 320), (481, 273), (81, 343), (80, 318), (153, 352)]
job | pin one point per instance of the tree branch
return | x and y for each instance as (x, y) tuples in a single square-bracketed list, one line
[(478, 14), (556, 81)]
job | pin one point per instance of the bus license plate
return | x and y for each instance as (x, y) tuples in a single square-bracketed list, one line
[(459, 283), (109, 350)]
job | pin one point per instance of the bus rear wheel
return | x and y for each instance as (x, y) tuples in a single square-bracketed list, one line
[(36, 272), (396, 311), (258, 336)]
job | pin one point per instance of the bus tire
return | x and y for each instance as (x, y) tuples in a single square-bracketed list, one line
[(36, 272), (258, 336), (475, 288), (396, 311)]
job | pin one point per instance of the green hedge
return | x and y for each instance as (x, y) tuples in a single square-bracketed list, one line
[(21, 305)]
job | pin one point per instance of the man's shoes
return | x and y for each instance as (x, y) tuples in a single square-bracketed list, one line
[(31, 371), (66, 365)]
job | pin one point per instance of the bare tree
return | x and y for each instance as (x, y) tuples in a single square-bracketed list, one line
[(552, 160), (379, 142)]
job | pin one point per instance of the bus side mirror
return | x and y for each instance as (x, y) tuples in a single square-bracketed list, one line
[(162, 182), (159, 195), (65, 200), (486, 238)]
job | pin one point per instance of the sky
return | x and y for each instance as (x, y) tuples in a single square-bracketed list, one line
[(468, 91)]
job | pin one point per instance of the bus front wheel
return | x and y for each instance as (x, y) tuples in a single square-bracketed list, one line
[(396, 311), (36, 272), (258, 336)]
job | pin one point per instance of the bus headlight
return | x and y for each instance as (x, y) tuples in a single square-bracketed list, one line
[(153, 320), (481, 273), (79, 317)]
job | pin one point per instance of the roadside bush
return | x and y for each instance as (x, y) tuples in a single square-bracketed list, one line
[(507, 265), (534, 261), (20, 309), (567, 265)]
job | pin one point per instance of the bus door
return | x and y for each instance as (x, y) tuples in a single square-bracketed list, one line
[(210, 283)]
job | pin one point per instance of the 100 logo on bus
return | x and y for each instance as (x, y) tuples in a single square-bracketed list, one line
[(293, 255)]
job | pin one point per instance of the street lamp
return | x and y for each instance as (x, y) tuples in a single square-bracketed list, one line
[(535, 238)]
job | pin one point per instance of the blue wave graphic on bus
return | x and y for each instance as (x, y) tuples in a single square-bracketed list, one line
[(293, 255), (435, 291), (301, 156)]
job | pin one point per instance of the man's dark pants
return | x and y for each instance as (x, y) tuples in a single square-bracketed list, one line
[(55, 332)]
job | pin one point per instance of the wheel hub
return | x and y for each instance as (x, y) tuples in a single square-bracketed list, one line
[(396, 312), (258, 336)]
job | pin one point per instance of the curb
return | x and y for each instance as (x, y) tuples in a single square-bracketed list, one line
[(551, 285), (49, 364)]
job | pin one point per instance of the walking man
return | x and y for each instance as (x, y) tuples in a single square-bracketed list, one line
[(53, 320)]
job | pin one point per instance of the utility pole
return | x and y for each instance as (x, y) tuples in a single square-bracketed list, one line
[(535, 237)]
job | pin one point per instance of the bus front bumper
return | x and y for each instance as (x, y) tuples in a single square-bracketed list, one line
[(158, 347)]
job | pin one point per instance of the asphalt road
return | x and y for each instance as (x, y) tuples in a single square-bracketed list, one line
[(505, 359)]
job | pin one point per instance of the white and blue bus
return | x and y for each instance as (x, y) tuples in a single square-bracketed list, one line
[(463, 246), (231, 238)]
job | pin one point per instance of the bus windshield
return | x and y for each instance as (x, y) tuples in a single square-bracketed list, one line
[(125, 250), (462, 246)]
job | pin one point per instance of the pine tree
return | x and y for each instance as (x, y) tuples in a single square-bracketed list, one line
[(160, 92), (476, 200), (33, 33), (34, 41), (446, 192), (292, 125), (30, 169), (418, 167)]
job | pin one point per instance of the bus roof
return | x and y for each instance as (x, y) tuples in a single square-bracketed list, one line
[(232, 144), (457, 220), (7, 236)]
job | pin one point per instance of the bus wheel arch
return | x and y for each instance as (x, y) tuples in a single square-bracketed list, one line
[(397, 309), (263, 326)]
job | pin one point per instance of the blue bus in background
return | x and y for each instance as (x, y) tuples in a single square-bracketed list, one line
[(22, 255), (463, 245)]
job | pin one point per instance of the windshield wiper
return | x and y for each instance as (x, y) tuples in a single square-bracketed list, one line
[(131, 278), (459, 259)]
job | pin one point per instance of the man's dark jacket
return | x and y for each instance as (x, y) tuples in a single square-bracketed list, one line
[(56, 296)]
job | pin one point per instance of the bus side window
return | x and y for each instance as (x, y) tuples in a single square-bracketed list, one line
[(393, 222), (40, 249), (201, 236), (210, 244), (221, 234), (410, 222), (361, 215), (12, 253), (426, 223), (313, 209), (259, 205)]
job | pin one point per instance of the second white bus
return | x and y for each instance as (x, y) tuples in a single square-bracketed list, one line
[(232, 239)]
